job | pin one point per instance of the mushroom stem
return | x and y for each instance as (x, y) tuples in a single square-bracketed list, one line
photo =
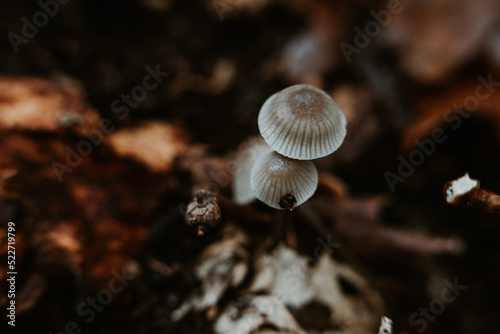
[(312, 217), (281, 221), (465, 192)]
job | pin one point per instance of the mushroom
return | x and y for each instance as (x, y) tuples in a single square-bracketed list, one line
[(302, 122), (248, 152), (281, 182)]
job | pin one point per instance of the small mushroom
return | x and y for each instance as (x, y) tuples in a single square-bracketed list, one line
[(247, 153), (281, 182), (302, 122)]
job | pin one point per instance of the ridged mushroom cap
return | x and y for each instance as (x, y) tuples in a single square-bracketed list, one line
[(247, 153), (281, 182), (302, 122)]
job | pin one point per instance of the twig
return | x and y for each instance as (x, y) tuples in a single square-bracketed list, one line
[(465, 192)]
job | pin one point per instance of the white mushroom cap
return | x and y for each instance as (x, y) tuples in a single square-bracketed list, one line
[(247, 153), (302, 122), (281, 182)]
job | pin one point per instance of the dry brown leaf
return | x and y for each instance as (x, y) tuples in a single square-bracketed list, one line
[(155, 144), (310, 54), (434, 38), (106, 201), (222, 73), (363, 124), (446, 109), (209, 172), (249, 313), (221, 266), (286, 275), (37, 104), (333, 185)]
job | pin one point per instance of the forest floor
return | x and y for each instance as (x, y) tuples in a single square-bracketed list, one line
[(113, 114)]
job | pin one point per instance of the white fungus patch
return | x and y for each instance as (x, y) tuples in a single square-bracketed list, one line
[(460, 187)]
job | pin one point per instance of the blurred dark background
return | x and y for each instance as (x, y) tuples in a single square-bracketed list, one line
[(118, 209)]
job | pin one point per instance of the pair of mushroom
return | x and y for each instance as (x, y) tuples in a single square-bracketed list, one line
[(297, 124)]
